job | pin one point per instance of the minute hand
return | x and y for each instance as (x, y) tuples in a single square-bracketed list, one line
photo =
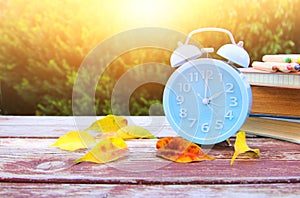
[(206, 86)]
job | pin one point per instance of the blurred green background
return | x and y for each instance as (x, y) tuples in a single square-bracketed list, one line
[(43, 43)]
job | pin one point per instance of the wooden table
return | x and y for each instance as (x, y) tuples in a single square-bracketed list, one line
[(29, 167)]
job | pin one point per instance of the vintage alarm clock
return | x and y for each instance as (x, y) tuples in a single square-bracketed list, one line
[(207, 100)]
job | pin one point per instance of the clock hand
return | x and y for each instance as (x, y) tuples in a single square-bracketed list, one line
[(205, 87), (207, 101), (216, 95)]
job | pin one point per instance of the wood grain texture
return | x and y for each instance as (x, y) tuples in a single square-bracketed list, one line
[(166, 191), (30, 167), (32, 160), (53, 127)]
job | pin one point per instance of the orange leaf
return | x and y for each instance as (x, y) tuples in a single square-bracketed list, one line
[(178, 149)]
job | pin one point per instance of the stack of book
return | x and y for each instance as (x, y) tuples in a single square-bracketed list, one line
[(275, 84)]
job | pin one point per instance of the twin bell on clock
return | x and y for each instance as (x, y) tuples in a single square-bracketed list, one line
[(207, 100)]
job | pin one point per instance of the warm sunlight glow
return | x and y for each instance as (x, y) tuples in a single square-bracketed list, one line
[(148, 12), (145, 8)]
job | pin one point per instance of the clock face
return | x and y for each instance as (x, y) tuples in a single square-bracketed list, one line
[(206, 101)]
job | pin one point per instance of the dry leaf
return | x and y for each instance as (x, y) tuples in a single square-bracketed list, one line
[(106, 135), (110, 123), (178, 149), (241, 146), (106, 150), (75, 140), (134, 132)]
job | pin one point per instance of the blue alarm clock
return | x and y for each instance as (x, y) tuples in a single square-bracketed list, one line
[(206, 100)]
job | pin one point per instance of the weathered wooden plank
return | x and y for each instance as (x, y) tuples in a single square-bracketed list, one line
[(57, 131), (75, 120), (32, 160), (104, 191), (37, 120), (47, 127), (270, 149), (34, 131)]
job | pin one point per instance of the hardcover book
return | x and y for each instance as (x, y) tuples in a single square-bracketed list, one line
[(274, 93), (282, 129)]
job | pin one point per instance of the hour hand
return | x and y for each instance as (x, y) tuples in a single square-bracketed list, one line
[(207, 101), (215, 95)]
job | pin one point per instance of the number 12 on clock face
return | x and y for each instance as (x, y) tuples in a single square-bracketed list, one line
[(206, 101)]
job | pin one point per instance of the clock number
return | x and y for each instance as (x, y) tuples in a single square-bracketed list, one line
[(233, 102), (230, 88), (205, 127), (221, 76), (208, 74), (229, 115), (219, 124), (193, 121), (180, 100), (185, 87), (194, 76), (183, 112)]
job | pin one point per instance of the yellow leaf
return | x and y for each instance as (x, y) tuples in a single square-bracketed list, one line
[(106, 150), (241, 146), (75, 140), (106, 135), (178, 149), (110, 123), (134, 132)]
